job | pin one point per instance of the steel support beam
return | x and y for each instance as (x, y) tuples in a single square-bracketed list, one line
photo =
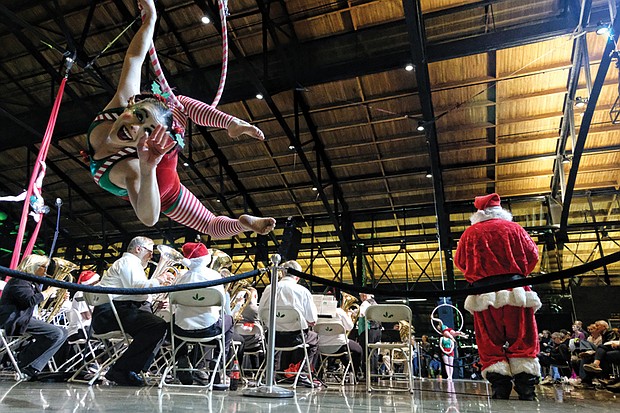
[(416, 31), (586, 121)]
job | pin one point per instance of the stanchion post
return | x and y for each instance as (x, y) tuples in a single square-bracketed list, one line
[(270, 389)]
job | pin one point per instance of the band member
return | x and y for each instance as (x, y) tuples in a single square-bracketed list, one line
[(146, 329), (17, 303)]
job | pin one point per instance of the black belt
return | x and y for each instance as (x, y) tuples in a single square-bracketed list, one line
[(497, 279)]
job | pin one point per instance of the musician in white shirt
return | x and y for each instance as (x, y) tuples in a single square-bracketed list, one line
[(337, 343), (290, 293)]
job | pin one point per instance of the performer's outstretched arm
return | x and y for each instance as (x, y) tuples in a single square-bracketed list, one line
[(129, 81)]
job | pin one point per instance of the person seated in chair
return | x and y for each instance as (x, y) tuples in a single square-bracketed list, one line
[(146, 329), (338, 343), (290, 293), (195, 321), (17, 304)]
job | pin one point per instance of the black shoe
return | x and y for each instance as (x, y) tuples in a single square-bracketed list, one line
[(125, 378), (202, 377), (30, 373), (185, 377)]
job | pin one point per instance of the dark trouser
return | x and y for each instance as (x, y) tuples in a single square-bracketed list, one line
[(283, 339), (48, 339), (356, 355), (212, 330), (374, 336), (147, 330)]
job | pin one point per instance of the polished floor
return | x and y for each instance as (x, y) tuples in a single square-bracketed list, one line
[(430, 396)]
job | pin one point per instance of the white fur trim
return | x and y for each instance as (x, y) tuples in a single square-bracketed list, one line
[(501, 367), (197, 263), (517, 297), (525, 365)]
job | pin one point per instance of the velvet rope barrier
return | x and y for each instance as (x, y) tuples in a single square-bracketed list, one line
[(539, 279)]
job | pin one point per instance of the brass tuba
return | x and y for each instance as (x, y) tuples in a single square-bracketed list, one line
[(62, 272), (168, 257), (349, 304), (219, 260)]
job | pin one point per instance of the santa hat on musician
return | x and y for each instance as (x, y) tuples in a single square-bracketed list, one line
[(196, 255), (88, 277), (487, 201)]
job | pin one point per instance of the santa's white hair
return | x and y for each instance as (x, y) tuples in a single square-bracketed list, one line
[(496, 212)]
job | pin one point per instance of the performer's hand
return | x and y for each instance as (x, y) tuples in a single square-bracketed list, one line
[(152, 147), (239, 127)]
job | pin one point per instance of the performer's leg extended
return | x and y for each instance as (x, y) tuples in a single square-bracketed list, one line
[(189, 211)]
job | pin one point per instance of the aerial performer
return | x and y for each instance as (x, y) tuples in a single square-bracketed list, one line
[(134, 143), (496, 250)]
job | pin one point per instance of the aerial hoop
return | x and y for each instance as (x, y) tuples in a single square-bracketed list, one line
[(433, 317), (159, 73)]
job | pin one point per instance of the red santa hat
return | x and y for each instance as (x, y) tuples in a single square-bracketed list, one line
[(195, 250), (487, 201), (88, 277)]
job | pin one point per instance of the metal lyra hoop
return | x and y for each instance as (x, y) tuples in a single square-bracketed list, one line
[(445, 305)]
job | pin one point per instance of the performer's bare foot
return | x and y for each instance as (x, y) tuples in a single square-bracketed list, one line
[(239, 127), (262, 226)]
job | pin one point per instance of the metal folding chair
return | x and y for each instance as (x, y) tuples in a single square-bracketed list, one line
[(291, 316), (206, 297), (114, 343), (334, 328), (391, 313)]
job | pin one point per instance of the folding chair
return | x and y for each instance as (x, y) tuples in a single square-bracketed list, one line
[(114, 343), (291, 316), (256, 329), (334, 328), (206, 297), (8, 346), (391, 313), (80, 346)]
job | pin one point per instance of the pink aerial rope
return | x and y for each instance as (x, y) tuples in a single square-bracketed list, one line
[(33, 194), (165, 88)]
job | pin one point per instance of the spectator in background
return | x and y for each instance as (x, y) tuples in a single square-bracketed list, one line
[(578, 330)]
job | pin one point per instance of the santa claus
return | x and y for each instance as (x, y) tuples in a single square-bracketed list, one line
[(493, 250)]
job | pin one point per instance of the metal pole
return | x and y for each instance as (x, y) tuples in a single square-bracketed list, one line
[(269, 389)]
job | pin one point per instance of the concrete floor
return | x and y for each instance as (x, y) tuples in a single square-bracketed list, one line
[(430, 396)]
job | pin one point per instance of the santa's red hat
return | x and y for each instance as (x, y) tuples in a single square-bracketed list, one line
[(195, 250), (88, 277), (487, 201)]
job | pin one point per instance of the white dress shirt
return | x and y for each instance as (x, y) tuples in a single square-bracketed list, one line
[(127, 272), (292, 294)]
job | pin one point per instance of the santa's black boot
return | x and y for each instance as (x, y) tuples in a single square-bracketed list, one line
[(525, 385), (501, 385)]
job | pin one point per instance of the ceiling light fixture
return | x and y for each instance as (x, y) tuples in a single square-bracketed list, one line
[(259, 96), (565, 159), (291, 147), (429, 175), (409, 67), (420, 127), (314, 188), (185, 164), (205, 20), (602, 29), (581, 102)]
